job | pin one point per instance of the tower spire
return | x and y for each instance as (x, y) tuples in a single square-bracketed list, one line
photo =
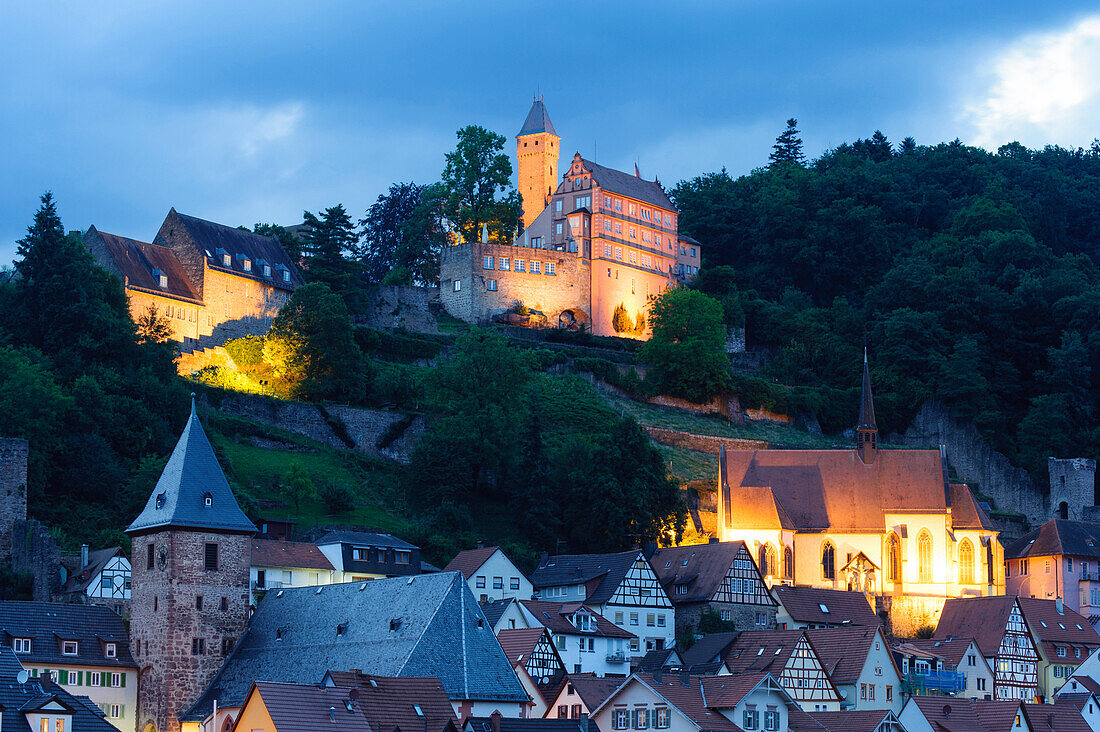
[(866, 429)]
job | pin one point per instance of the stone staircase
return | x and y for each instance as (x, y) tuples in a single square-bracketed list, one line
[(206, 350)]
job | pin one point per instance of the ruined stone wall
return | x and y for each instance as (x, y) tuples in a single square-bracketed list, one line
[(410, 308), (13, 490), (703, 443), (166, 620), (1072, 483), (35, 552)]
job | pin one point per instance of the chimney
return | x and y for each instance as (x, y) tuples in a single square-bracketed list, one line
[(494, 720), (1059, 606), (332, 713), (543, 558), (657, 675), (83, 556), (946, 710), (649, 549), (685, 678), (584, 721)]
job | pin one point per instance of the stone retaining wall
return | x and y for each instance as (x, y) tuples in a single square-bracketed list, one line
[(703, 443)]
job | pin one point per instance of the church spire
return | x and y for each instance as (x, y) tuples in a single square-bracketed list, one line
[(866, 430)]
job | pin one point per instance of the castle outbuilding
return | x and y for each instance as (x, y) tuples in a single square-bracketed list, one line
[(190, 596)]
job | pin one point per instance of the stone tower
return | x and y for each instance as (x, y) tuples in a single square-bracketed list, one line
[(537, 149), (189, 568), (867, 429), (1072, 488), (13, 491)]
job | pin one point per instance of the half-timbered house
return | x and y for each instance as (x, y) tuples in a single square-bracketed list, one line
[(997, 625), (860, 665), (1064, 639), (621, 587), (720, 577), (537, 663), (585, 641), (790, 657), (103, 578)]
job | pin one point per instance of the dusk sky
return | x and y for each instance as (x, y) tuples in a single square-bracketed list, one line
[(244, 112)]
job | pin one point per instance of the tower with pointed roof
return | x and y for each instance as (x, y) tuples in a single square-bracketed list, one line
[(866, 430), (189, 570), (537, 150)]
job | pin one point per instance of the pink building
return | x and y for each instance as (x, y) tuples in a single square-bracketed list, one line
[(1060, 559)]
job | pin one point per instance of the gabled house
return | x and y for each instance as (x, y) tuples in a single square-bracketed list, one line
[(1060, 559), (818, 607), (1087, 705), (1056, 717), (281, 564), (281, 707), (586, 641), (102, 578), (1084, 679), (497, 723), (84, 649), (938, 667), (537, 663), (707, 655), (790, 657), (869, 720), (1064, 639), (366, 555), (621, 587), (506, 614), (406, 703), (938, 714), (424, 625), (999, 629), (581, 694), (491, 574), (32, 704), (720, 577), (860, 665)]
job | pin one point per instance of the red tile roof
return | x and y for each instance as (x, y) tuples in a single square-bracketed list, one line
[(700, 567), (593, 690), (951, 651), (469, 561), (982, 618), (291, 554), (726, 692), (1058, 536), (306, 707), (745, 654), (1056, 717), (1065, 628), (948, 714), (519, 643), (388, 702), (686, 694), (861, 720), (844, 651), (135, 261), (803, 604)]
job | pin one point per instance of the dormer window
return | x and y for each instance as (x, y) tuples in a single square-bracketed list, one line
[(207, 499), (21, 645), (224, 257), (161, 279), (286, 275), (69, 648), (265, 268), (110, 650), (246, 263), (584, 622), (161, 498)]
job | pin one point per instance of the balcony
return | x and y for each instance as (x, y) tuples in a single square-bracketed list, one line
[(934, 683), (269, 585), (616, 657)]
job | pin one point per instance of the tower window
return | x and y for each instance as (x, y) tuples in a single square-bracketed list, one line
[(198, 602), (149, 556), (198, 646), (211, 558), (224, 604)]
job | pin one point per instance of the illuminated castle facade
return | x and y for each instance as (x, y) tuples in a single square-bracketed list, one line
[(889, 523), (594, 241)]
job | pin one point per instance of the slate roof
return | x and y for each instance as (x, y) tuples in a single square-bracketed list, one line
[(592, 689), (701, 567), (803, 604), (532, 724), (982, 618), (844, 651), (296, 554), (815, 490), (364, 538), (469, 561), (629, 185), (310, 707), (388, 701), (866, 400), (16, 699), (494, 609), (1058, 536), (421, 625), (210, 237), (49, 623), (1059, 717), (538, 120), (83, 576), (135, 261), (553, 616), (574, 569), (862, 720), (709, 648), (178, 498)]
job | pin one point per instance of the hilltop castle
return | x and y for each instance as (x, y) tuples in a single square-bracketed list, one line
[(596, 240)]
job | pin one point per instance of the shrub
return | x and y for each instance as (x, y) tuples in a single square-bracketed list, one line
[(246, 351), (337, 498), (520, 309), (639, 324), (620, 320)]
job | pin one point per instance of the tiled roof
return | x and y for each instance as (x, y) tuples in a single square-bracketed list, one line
[(701, 567), (388, 702), (946, 714), (658, 659), (745, 655), (538, 120), (296, 554), (711, 647), (83, 576), (592, 689), (519, 643), (553, 616), (192, 473), (17, 699), (686, 694), (530, 724), (136, 260), (1055, 717), (469, 561), (726, 692), (998, 715), (494, 609), (832, 489), (1086, 682), (627, 184), (952, 650), (803, 604), (47, 624), (309, 707), (1058, 536), (982, 618), (843, 651), (854, 720), (364, 538), (422, 625), (965, 511), (1050, 626), (573, 569)]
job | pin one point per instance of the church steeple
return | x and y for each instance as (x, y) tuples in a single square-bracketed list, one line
[(866, 430)]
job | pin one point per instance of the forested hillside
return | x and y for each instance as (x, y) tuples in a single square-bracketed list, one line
[(970, 276)]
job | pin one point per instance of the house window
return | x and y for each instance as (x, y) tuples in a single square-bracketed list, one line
[(68, 648), (110, 650), (663, 718), (650, 620), (641, 719), (557, 228), (210, 560), (557, 207), (1061, 651), (550, 268), (726, 615), (966, 562), (521, 265), (267, 270), (750, 718), (400, 557), (21, 645), (498, 583), (479, 582), (513, 583), (458, 285), (576, 712), (890, 692), (924, 556), (771, 720), (633, 618), (286, 275), (226, 260), (116, 679), (863, 692), (536, 267), (536, 242), (487, 263), (828, 561), (491, 285), (505, 263), (660, 621), (620, 720), (95, 678), (559, 641), (198, 646)]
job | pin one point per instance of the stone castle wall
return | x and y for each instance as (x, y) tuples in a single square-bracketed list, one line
[(165, 619), (13, 490), (409, 308), (1072, 483)]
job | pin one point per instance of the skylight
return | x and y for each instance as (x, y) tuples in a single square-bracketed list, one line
[(761, 651), (823, 606), (418, 710)]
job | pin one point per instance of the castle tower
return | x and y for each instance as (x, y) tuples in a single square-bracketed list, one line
[(536, 161), (189, 569), (13, 491), (866, 430)]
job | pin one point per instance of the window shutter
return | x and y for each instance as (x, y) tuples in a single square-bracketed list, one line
[(62, 676), (80, 678), (123, 677), (652, 714)]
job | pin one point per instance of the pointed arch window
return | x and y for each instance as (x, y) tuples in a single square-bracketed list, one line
[(788, 563), (893, 558), (966, 562), (924, 556), (828, 561), (770, 568)]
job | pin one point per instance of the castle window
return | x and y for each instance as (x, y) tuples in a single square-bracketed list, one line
[(828, 561), (788, 563), (608, 202), (458, 285), (619, 253), (198, 602), (633, 257), (924, 557), (633, 210), (633, 233), (156, 603), (505, 263), (224, 604), (536, 267), (619, 229), (210, 558), (607, 225), (491, 285), (198, 646), (521, 265), (227, 646), (550, 268), (487, 263)]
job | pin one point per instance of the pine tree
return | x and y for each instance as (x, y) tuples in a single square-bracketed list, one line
[(787, 149), (328, 239)]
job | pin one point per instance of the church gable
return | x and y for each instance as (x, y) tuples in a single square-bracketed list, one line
[(640, 587)]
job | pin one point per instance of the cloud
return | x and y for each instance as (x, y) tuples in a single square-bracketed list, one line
[(1044, 89)]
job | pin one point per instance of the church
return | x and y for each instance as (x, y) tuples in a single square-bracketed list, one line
[(595, 241), (886, 522)]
